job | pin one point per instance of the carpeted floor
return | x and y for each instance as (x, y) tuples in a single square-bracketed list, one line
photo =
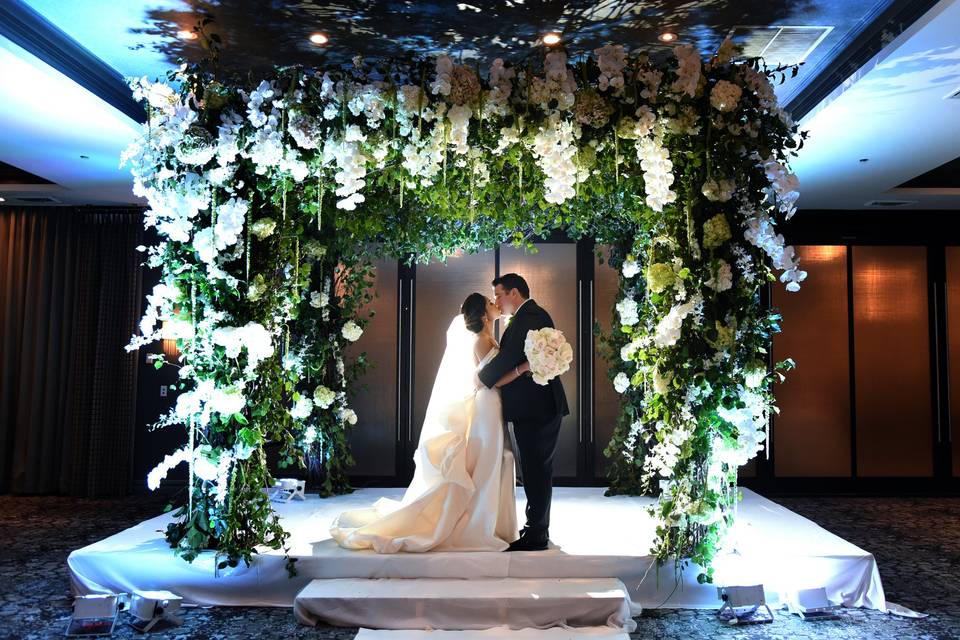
[(916, 542)]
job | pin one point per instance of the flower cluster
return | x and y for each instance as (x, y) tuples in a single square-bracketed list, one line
[(548, 353), (268, 197)]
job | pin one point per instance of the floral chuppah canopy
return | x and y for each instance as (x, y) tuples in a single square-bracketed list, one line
[(266, 197)]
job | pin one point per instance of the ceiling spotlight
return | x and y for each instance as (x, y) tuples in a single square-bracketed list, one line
[(319, 39), (551, 38), (185, 34), (2, 199), (667, 36)]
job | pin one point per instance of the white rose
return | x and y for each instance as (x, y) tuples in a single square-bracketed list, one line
[(621, 383), (351, 331), (227, 401), (630, 268), (348, 416), (301, 409)]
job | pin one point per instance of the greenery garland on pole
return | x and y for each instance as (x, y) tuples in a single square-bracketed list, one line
[(272, 198)]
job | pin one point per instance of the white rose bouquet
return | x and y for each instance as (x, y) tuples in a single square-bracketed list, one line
[(548, 353)]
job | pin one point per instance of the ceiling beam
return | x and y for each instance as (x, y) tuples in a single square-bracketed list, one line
[(31, 31), (880, 28)]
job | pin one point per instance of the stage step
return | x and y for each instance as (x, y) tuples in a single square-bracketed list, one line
[(451, 604), (556, 633)]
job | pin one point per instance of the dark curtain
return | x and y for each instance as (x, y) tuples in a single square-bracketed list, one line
[(69, 301)]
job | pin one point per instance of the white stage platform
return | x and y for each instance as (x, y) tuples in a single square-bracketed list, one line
[(594, 536)]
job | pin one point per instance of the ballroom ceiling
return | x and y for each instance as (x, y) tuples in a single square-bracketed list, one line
[(79, 51)]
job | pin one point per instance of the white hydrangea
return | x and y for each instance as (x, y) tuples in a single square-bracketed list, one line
[(252, 336), (318, 299), (227, 400), (351, 331), (628, 309), (725, 95), (349, 416), (323, 397), (302, 409)]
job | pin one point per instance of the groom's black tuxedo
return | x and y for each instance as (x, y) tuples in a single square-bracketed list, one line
[(535, 411)]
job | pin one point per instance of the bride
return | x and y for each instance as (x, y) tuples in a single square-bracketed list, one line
[(462, 494)]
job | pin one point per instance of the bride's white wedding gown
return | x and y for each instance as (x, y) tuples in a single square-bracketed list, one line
[(462, 494)]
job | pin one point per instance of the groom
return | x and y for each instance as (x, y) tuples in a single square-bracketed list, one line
[(535, 410)]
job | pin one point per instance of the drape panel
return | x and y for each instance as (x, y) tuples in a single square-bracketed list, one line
[(69, 300)]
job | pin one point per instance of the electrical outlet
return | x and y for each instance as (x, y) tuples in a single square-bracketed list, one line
[(163, 391)]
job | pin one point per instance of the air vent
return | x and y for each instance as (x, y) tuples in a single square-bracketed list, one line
[(779, 45), (38, 200), (890, 203)]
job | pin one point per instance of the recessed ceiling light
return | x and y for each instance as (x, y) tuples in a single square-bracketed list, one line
[(319, 39), (551, 38), (667, 36), (186, 34)]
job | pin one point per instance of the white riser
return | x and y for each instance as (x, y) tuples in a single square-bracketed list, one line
[(465, 604), (556, 633)]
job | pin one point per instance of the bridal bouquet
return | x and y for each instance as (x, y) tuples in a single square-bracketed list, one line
[(548, 353)]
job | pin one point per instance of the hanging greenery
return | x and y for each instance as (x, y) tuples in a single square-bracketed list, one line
[(268, 197)]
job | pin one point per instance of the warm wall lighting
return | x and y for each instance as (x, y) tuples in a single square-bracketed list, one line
[(823, 253), (667, 36), (185, 34), (319, 39), (551, 38)]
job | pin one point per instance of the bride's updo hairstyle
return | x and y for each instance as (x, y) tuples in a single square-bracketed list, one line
[(474, 308)]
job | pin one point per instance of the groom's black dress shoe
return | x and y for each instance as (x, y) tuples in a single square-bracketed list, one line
[(530, 541)]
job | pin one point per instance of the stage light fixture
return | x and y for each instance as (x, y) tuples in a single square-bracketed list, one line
[(96, 615), (319, 39), (2, 199), (551, 38), (149, 608), (744, 605), (667, 36), (186, 34)]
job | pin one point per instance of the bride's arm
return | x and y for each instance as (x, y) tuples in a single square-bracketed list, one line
[(513, 374)]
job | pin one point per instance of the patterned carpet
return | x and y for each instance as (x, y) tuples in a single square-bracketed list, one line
[(916, 542)]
